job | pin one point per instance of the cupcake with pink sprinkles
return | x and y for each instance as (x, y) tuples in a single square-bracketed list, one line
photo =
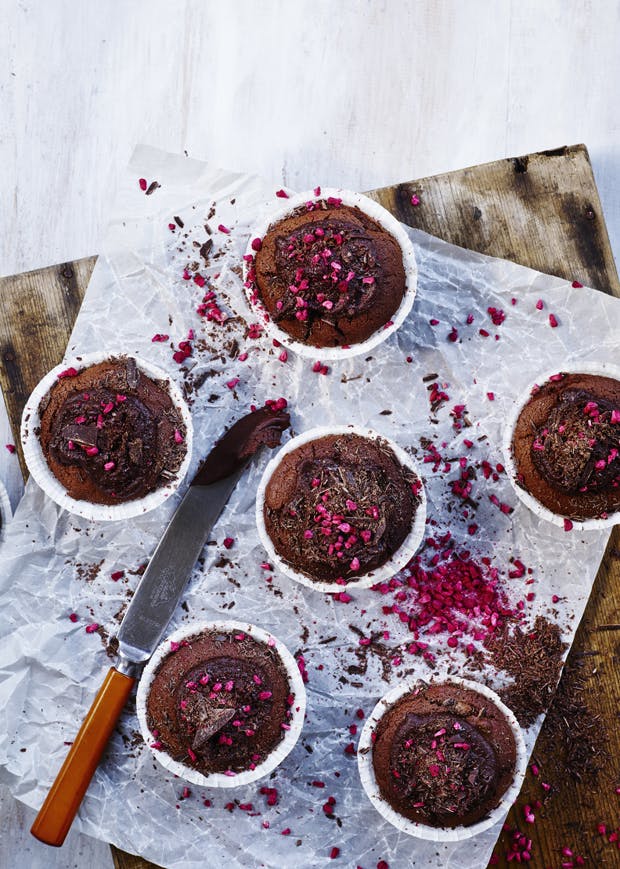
[(341, 506), (332, 270), (221, 704)]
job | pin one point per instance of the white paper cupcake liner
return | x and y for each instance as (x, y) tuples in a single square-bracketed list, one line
[(382, 217), (399, 559), (414, 828), (275, 758), (40, 470), (605, 369)]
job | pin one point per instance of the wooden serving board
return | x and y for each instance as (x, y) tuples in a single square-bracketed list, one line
[(542, 211)]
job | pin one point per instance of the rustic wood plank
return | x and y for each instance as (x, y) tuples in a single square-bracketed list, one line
[(542, 211), (37, 315)]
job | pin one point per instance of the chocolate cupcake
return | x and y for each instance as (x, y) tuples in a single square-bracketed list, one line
[(107, 436), (221, 704), (332, 271), (341, 506), (565, 446), (442, 759)]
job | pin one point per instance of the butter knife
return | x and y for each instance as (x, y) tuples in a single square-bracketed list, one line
[(152, 606)]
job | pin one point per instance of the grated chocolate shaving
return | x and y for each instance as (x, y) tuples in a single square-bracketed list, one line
[(534, 661)]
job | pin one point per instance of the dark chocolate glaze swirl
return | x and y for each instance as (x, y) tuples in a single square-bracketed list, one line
[(124, 433), (355, 251), (111, 433), (566, 443), (222, 698), (444, 755), (578, 448), (330, 276), (421, 778)]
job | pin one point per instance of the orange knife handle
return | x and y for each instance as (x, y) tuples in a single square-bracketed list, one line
[(62, 802)]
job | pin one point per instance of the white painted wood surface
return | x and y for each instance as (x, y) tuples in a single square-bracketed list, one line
[(359, 94)]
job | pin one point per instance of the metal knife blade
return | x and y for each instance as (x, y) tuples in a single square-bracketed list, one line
[(171, 565), (170, 568)]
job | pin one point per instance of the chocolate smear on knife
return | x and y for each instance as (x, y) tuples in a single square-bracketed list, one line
[(262, 427)]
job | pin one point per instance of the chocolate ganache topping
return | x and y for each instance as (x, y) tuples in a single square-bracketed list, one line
[(566, 445), (110, 433), (577, 449), (444, 756), (220, 701), (331, 275), (339, 506)]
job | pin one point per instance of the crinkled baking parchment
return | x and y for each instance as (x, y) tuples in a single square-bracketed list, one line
[(54, 564)]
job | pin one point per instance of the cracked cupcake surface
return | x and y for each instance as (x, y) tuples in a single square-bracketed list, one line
[(110, 433), (339, 506), (444, 755), (220, 702), (330, 276), (566, 445)]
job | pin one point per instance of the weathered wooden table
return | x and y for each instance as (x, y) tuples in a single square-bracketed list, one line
[(540, 210)]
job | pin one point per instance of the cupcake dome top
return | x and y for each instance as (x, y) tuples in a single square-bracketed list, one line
[(110, 433), (566, 445), (329, 274)]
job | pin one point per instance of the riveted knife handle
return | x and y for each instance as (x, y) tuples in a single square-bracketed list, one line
[(62, 802)]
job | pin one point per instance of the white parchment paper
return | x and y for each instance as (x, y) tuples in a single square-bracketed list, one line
[(54, 564)]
